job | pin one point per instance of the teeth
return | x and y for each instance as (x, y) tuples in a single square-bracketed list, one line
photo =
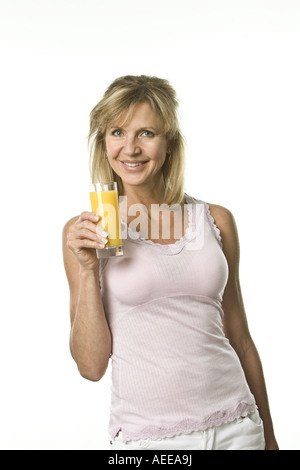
[(133, 164)]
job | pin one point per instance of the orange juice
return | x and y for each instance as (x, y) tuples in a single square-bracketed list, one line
[(106, 205)]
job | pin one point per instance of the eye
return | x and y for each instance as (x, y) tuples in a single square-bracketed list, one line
[(117, 132), (146, 133)]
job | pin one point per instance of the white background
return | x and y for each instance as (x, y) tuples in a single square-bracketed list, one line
[(235, 66)]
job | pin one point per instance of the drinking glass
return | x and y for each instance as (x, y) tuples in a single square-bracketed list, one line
[(105, 203)]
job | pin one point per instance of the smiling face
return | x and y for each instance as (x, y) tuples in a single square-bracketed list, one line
[(137, 148)]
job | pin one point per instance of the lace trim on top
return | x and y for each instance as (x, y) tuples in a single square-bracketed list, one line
[(213, 225), (186, 426), (191, 231)]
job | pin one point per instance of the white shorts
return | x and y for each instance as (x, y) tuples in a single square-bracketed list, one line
[(242, 434)]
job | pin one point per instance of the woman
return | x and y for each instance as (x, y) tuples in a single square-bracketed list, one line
[(169, 313)]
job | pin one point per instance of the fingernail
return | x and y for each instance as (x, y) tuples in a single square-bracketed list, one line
[(100, 232)]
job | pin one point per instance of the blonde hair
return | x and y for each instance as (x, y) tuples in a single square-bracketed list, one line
[(123, 95)]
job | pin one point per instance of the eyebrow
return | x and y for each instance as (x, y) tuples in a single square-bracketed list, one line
[(144, 128), (140, 128)]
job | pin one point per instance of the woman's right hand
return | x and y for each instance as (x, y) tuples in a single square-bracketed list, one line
[(84, 236)]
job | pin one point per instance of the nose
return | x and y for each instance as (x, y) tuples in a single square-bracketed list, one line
[(131, 146)]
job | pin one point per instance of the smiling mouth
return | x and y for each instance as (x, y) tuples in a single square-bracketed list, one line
[(133, 164)]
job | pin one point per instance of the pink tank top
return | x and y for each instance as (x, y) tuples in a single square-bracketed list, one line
[(173, 369)]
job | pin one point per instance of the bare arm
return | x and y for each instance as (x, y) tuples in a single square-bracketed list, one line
[(236, 325), (90, 338)]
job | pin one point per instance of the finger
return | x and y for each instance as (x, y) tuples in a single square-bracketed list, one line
[(85, 224), (98, 229), (101, 232), (88, 216), (88, 230), (77, 244), (84, 233)]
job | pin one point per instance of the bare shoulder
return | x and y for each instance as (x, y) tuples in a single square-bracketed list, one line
[(223, 217), (225, 221)]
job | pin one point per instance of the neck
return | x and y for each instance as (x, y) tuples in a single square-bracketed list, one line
[(144, 195), (139, 211)]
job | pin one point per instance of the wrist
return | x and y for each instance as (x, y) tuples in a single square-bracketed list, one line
[(89, 273), (270, 441), (271, 445)]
